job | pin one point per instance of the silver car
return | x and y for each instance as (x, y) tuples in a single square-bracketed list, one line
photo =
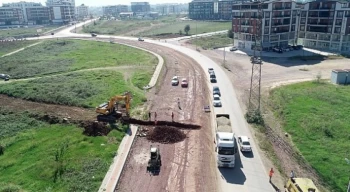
[(217, 101)]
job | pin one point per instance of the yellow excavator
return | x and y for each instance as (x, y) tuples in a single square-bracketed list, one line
[(111, 110), (300, 185)]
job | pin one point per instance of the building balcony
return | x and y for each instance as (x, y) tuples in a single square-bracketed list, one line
[(244, 31), (317, 30), (280, 31), (275, 24), (245, 23), (278, 16), (319, 23), (281, 8)]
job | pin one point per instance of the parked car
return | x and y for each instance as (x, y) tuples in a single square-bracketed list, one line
[(217, 101), (277, 49), (216, 91), (298, 47), (210, 70), (244, 144), (175, 81), (233, 48), (93, 35), (184, 82), (5, 77), (140, 39)]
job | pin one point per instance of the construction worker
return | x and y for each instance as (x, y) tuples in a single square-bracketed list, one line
[(271, 173), (292, 175), (172, 116)]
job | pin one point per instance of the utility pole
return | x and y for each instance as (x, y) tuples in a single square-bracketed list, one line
[(196, 36), (255, 81)]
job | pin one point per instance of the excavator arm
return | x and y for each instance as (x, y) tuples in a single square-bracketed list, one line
[(109, 107)]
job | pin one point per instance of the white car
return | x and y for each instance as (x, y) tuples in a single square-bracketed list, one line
[(175, 81), (217, 101), (244, 144), (233, 48)]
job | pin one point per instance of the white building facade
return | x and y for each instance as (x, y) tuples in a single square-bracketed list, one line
[(82, 11), (62, 11)]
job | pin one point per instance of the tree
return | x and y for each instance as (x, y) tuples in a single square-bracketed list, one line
[(229, 33), (180, 32), (187, 29)]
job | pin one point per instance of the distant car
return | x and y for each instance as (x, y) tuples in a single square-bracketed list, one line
[(277, 49), (93, 35), (212, 78), (216, 91), (233, 48), (184, 82), (175, 81), (5, 77), (217, 101), (140, 39), (210, 70), (244, 144), (52, 33)]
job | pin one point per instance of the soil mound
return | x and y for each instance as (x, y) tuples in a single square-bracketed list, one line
[(94, 128), (166, 135)]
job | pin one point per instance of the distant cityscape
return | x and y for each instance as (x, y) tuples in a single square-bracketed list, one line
[(320, 24)]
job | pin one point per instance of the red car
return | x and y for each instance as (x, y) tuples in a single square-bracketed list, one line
[(184, 83)]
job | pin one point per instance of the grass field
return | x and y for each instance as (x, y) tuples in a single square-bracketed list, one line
[(212, 41), (113, 27), (18, 32), (85, 89), (52, 157), (316, 115), (53, 57), (9, 46), (202, 27)]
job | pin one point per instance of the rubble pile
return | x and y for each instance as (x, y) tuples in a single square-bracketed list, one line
[(94, 128), (166, 135)]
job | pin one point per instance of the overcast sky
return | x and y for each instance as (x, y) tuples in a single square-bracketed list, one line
[(103, 2)]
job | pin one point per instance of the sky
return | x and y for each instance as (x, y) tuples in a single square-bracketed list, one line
[(103, 2)]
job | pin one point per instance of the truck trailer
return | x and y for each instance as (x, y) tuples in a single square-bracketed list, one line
[(226, 147)]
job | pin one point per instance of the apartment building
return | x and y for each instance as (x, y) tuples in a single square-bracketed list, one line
[(140, 7), (325, 25), (36, 11), (62, 11), (82, 11), (278, 28), (211, 10), (114, 10), (11, 16), (168, 9)]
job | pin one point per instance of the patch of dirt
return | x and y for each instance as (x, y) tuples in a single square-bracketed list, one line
[(47, 111), (165, 135), (188, 165), (94, 128)]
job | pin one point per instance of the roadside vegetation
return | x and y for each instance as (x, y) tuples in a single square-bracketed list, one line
[(316, 115), (120, 27), (9, 46), (54, 57), (212, 42), (24, 32), (84, 89), (196, 27), (44, 157)]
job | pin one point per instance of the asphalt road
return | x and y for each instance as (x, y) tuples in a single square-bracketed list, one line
[(249, 174)]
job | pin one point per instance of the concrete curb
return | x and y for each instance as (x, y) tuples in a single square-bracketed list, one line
[(112, 177)]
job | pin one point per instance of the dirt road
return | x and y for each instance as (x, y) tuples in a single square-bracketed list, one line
[(188, 165)]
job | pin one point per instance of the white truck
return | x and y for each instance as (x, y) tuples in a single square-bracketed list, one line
[(225, 148)]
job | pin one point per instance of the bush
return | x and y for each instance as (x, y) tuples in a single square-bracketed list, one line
[(254, 117)]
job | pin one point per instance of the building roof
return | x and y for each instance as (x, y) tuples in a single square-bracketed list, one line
[(341, 70), (126, 13)]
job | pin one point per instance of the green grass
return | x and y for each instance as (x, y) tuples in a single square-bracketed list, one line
[(212, 41), (120, 27), (29, 162), (51, 57), (19, 32), (9, 46), (85, 89), (316, 115), (175, 27), (140, 78)]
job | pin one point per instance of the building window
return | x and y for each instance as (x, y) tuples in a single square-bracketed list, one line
[(294, 13), (340, 14), (302, 20), (267, 22), (338, 22), (303, 14), (266, 30), (293, 28), (337, 30), (302, 27), (294, 20), (267, 14)]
